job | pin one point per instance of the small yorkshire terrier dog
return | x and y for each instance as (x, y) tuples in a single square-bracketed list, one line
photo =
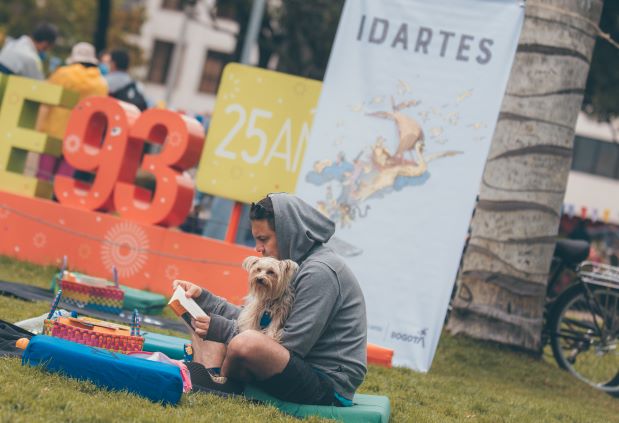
[(270, 295)]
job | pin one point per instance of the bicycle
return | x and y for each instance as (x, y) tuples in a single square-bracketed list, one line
[(581, 322)]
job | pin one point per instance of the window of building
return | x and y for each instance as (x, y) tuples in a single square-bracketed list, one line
[(160, 62), (585, 152), (211, 71), (596, 157), (172, 4), (606, 163)]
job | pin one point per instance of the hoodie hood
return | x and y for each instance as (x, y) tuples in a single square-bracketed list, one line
[(298, 226)]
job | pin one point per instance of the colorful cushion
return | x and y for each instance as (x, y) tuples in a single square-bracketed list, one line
[(159, 382), (130, 298)]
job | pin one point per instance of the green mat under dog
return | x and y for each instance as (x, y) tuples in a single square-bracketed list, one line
[(366, 408)]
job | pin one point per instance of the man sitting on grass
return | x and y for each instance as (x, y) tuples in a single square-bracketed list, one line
[(322, 356)]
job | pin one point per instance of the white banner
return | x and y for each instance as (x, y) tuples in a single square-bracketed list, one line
[(407, 112)]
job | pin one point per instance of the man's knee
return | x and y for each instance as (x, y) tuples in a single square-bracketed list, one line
[(244, 345)]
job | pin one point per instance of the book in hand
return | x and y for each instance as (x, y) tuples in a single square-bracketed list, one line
[(184, 307)]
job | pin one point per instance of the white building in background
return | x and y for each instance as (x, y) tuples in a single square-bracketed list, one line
[(194, 68), (593, 183)]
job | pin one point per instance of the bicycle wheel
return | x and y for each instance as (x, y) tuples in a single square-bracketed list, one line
[(584, 336)]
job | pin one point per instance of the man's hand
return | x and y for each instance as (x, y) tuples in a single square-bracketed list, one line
[(191, 290), (201, 325)]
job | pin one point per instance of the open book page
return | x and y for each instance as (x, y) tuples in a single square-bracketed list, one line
[(184, 307)]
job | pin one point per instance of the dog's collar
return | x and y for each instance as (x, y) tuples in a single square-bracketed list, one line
[(265, 319)]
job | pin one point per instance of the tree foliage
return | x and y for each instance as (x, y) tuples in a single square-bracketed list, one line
[(76, 21), (306, 33), (298, 33), (602, 91)]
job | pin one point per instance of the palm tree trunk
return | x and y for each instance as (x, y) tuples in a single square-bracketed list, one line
[(502, 282)]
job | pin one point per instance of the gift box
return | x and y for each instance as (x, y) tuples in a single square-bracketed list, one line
[(91, 293), (95, 333)]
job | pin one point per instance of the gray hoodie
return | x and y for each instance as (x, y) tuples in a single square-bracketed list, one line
[(22, 58), (327, 325), (117, 80)]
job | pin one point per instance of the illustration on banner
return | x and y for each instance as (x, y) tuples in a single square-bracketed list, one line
[(379, 170)]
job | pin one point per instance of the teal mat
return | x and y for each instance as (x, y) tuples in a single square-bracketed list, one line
[(171, 346), (146, 302), (366, 408)]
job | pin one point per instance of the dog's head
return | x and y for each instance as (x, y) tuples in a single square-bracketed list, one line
[(269, 277)]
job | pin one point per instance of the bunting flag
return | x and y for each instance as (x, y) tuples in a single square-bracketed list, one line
[(570, 210)]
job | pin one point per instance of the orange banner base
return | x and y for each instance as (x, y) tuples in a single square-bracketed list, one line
[(146, 256), (380, 356)]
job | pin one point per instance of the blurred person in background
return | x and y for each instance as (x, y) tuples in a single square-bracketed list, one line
[(24, 56), (120, 84), (81, 75)]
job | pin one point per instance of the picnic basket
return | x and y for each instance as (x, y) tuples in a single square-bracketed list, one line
[(95, 333)]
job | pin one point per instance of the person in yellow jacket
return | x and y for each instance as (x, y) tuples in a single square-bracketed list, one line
[(81, 75)]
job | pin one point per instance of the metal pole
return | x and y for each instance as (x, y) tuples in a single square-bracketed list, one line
[(233, 223), (251, 38), (103, 21), (178, 52), (253, 27)]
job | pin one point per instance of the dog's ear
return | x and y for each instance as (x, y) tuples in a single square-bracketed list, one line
[(288, 268), (249, 262)]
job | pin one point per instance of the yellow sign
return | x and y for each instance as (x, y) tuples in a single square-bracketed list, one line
[(258, 134), (18, 135)]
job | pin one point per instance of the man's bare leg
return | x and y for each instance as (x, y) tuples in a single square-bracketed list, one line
[(208, 353), (251, 355)]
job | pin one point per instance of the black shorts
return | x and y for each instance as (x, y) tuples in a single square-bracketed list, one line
[(301, 383)]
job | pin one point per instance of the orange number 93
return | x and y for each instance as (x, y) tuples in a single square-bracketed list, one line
[(107, 136)]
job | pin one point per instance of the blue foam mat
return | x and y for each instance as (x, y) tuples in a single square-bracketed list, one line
[(159, 382)]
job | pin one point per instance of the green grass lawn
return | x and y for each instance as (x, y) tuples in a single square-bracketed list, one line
[(469, 381)]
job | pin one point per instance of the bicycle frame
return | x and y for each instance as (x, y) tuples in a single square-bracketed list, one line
[(578, 322), (586, 273)]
